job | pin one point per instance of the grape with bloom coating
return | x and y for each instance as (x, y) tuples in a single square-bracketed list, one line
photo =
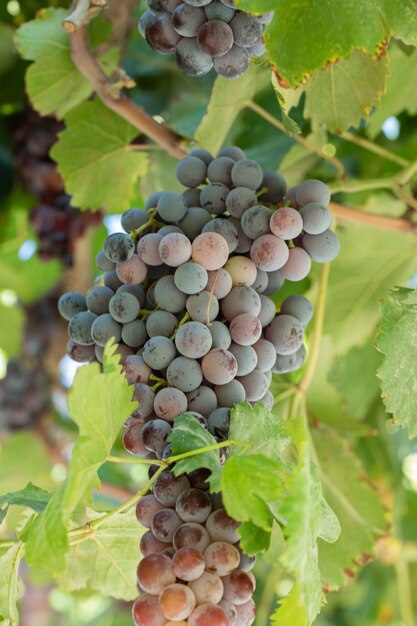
[(316, 218), (312, 191), (168, 487), (154, 435), (133, 271), (193, 340), (177, 602), (298, 265), (322, 248), (169, 403), (71, 303), (208, 615), (146, 508), (184, 373), (175, 249), (246, 358), (191, 278), (221, 558), (155, 572), (165, 523), (219, 366), (269, 253), (222, 527), (188, 564), (203, 307), (245, 329), (210, 250), (299, 307), (242, 270), (146, 612), (207, 588), (241, 299), (193, 505), (191, 535), (219, 283), (286, 223), (238, 587), (286, 334), (148, 249)]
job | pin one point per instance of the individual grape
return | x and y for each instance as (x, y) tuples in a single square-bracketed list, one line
[(232, 65), (210, 250), (217, 501), (135, 369), (290, 196), (266, 354), (220, 169), (322, 248), (188, 564), (299, 307), (203, 155), (242, 299), (133, 219), (168, 297), (154, 438), (246, 613), (81, 354), (193, 340), (242, 270), (203, 307), (233, 152), (246, 562), (152, 201), (194, 221), (132, 440), (245, 329), (219, 366), (191, 535), (238, 587), (215, 38), (119, 247), (255, 385), (71, 303), (193, 505), (224, 228), (171, 206), (268, 399), (175, 249), (246, 173), (168, 229), (286, 223), (131, 272), (199, 478), (161, 323), (136, 290), (286, 334), (150, 545), (247, 31), (169, 403), (103, 263), (158, 352), (146, 508), (222, 527), (269, 253), (203, 400), (134, 333), (146, 612), (184, 373), (230, 394), (207, 588), (275, 282), (230, 611), (155, 572), (219, 422), (240, 199), (190, 278), (221, 335), (168, 487), (219, 282), (148, 249), (104, 328), (246, 357), (187, 20), (190, 59), (298, 265), (124, 307), (255, 221), (243, 242), (221, 558), (177, 602), (192, 196), (261, 282), (312, 191), (213, 196), (216, 10), (316, 218), (111, 280), (79, 328), (257, 50), (275, 186), (165, 524), (285, 364), (98, 299), (161, 35), (191, 171)]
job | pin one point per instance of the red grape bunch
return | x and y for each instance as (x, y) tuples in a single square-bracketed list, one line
[(185, 293), (204, 34)]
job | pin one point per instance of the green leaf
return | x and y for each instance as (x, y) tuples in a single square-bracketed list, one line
[(253, 539), (256, 425), (400, 91), (397, 340), (7, 52), (187, 436), (228, 99), (31, 496), (99, 402), (354, 376), (106, 562), (339, 97), (11, 328), (290, 610), (356, 504), (96, 160), (9, 582)]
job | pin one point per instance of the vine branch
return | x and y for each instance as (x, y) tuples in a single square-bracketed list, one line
[(83, 13), (354, 215)]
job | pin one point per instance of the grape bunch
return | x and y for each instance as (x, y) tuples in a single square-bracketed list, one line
[(184, 291), (204, 34)]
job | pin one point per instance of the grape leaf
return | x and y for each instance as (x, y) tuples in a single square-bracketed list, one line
[(397, 340), (188, 435), (106, 561), (257, 425), (9, 583), (354, 376), (290, 610), (254, 539), (96, 160), (228, 99), (99, 416), (339, 97), (356, 504), (12, 322), (31, 496)]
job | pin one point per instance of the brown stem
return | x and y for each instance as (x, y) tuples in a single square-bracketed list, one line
[(352, 215), (86, 63), (83, 12)]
